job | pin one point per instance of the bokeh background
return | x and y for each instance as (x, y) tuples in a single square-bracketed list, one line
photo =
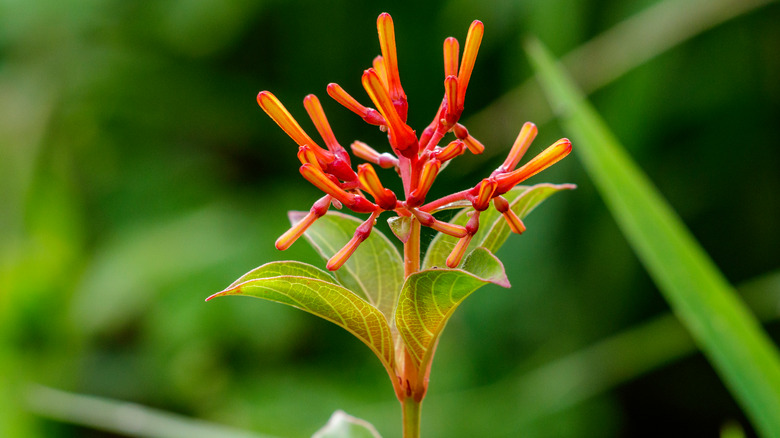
[(138, 176)]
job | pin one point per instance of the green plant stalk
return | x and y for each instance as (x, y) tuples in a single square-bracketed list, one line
[(720, 323), (411, 417)]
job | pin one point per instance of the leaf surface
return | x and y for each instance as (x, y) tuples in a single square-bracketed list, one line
[(493, 230), (375, 270), (718, 320), (307, 288), (429, 298)]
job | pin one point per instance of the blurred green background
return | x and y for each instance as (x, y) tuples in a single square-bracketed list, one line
[(138, 176)]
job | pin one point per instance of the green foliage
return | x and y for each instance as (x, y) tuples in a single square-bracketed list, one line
[(376, 269), (726, 331), (307, 288), (430, 297), (137, 175)]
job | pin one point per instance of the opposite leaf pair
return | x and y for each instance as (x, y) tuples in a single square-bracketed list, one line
[(399, 320)]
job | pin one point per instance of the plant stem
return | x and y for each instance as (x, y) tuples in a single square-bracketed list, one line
[(412, 250), (411, 417)]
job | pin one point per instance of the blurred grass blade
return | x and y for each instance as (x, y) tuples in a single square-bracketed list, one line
[(720, 323), (121, 417), (343, 425)]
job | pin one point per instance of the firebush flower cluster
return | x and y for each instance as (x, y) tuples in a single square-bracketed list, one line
[(416, 159)]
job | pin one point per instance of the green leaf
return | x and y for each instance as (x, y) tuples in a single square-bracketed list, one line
[(493, 230), (429, 298), (307, 288), (374, 271), (343, 425), (723, 327)]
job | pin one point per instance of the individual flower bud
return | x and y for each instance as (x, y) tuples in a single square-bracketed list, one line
[(515, 224), (290, 236)]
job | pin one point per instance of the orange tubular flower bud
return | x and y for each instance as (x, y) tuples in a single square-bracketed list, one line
[(427, 176), (451, 50), (327, 185), (371, 183), (453, 260), (545, 159), (454, 105), (314, 108), (366, 152), (290, 236), (370, 115), (386, 29), (474, 145), (402, 137), (486, 189), (428, 220), (473, 40), (274, 108), (450, 151), (523, 141), (361, 233), (381, 70), (516, 225), (307, 156)]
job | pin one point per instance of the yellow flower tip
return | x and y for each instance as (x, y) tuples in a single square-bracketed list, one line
[(516, 225), (474, 146), (341, 96), (402, 137), (453, 260), (452, 150), (486, 189), (320, 180), (502, 206), (449, 229), (386, 29), (524, 139), (473, 40), (279, 114), (451, 52), (317, 115), (370, 115), (427, 177), (341, 257), (385, 198), (426, 219), (290, 236), (554, 153), (307, 156), (454, 107), (379, 65), (361, 233), (366, 152)]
